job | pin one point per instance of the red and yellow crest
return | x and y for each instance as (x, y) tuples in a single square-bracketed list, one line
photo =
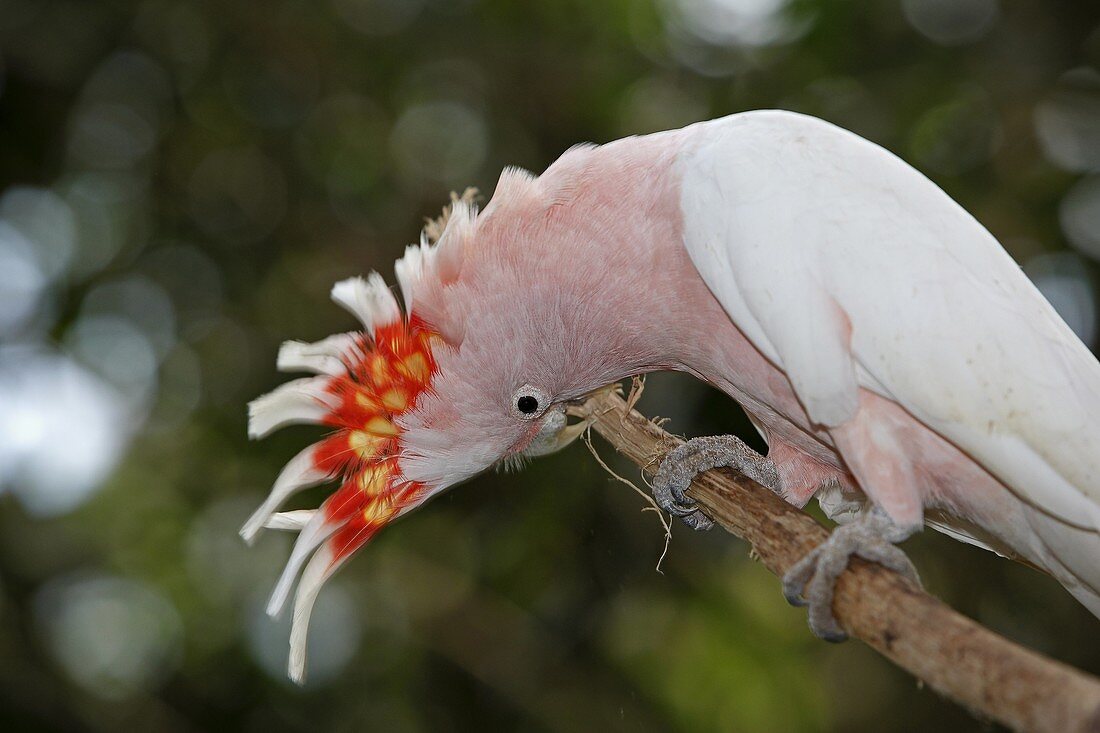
[(364, 382), (383, 380)]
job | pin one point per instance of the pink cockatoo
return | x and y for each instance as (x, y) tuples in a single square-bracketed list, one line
[(896, 360)]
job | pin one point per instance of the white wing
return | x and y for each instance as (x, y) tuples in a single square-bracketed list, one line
[(848, 268)]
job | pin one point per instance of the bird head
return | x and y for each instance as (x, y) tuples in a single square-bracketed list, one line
[(469, 376)]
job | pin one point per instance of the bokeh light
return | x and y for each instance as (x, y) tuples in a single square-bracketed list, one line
[(23, 282), (659, 103), (952, 22), (46, 223), (1063, 280), (113, 636), (180, 34), (191, 286), (117, 350), (1079, 214), (378, 17), (1068, 121), (111, 212), (62, 429), (724, 37), (746, 23), (274, 92), (957, 136), (334, 633), (439, 143), (237, 195), (342, 143)]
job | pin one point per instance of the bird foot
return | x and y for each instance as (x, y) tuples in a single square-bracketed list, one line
[(685, 462), (812, 580)]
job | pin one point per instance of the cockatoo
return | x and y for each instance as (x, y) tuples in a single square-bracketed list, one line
[(896, 360)]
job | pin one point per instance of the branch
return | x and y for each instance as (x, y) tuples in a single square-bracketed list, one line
[(989, 675)]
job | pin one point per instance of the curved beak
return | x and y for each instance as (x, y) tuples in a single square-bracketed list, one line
[(556, 433)]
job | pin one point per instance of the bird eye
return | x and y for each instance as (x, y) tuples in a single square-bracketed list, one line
[(529, 402)]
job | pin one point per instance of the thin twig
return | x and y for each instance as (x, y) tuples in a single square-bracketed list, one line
[(989, 675), (665, 523)]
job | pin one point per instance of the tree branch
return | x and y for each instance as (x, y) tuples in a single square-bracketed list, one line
[(989, 675)]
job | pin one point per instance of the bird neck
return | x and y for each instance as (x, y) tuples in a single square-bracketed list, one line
[(634, 296)]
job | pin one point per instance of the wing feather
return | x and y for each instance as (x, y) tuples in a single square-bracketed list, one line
[(786, 214)]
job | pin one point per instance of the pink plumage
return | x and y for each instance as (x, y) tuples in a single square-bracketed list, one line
[(798, 269)]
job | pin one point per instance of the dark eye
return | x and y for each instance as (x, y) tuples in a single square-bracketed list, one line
[(529, 402)]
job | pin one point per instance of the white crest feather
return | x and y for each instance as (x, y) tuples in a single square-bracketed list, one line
[(293, 521), (369, 300), (300, 401), (327, 356), (319, 569), (460, 223), (410, 269), (422, 260), (300, 473), (312, 536)]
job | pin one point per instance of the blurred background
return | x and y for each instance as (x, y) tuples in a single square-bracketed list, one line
[(181, 181)]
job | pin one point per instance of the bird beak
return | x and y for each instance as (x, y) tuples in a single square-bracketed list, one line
[(556, 433)]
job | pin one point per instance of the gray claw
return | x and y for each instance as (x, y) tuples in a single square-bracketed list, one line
[(795, 579), (685, 462), (812, 580), (698, 521)]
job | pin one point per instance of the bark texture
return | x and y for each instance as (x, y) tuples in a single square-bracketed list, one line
[(991, 676)]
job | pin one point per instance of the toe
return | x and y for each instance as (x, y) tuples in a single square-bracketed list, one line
[(794, 597), (795, 579), (698, 521), (668, 501), (890, 557), (812, 580), (900, 563), (831, 562), (832, 634), (666, 495), (820, 615)]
